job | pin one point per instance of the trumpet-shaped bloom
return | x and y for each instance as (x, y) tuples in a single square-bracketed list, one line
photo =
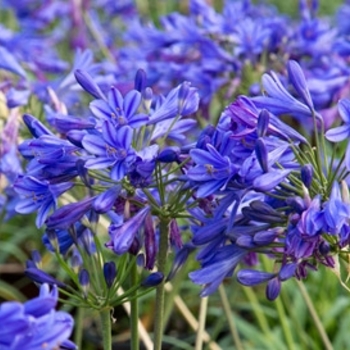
[(112, 149), (40, 196)]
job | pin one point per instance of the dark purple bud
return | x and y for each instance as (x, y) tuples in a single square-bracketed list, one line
[(306, 173), (110, 273), (297, 79), (87, 83), (69, 214), (105, 201), (135, 246), (265, 237), (263, 123), (261, 154), (287, 271), (324, 248), (35, 127), (297, 204), (169, 154), (153, 279), (40, 276), (273, 289), (175, 234), (252, 277), (36, 258), (245, 242), (140, 80), (180, 259), (84, 280), (150, 242)]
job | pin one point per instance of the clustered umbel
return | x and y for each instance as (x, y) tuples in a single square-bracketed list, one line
[(113, 158)]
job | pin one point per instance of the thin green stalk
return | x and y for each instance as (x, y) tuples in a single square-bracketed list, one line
[(258, 311), (106, 328), (326, 342), (134, 314), (78, 327), (159, 311), (201, 323), (230, 319), (285, 328)]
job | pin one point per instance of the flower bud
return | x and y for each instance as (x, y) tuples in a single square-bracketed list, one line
[(273, 289), (84, 280), (153, 279), (110, 273), (263, 123), (140, 80), (306, 174)]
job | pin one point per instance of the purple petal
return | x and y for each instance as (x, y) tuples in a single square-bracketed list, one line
[(123, 236), (132, 102), (115, 100), (99, 163), (269, 181), (252, 277), (100, 109), (297, 78), (273, 289), (118, 171), (339, 133), (94, 144), (344, 110), (85, 80)]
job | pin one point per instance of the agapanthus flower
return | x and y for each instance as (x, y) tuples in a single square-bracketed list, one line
[(35, 324), (113, 148), (39, 196)]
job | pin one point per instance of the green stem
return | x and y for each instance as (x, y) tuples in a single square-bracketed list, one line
[(230, 319), (159, 311), (134, 314), (326, 342), (78, 330), (106, 328), (285, 328)]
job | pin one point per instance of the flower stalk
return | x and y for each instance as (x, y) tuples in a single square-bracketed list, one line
[(160, 293), (106, 328)]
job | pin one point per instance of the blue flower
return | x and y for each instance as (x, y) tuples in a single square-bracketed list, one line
[(40, 196), (112, 149), (120, 110), (212, 171)]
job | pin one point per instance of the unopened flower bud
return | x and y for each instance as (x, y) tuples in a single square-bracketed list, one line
[(153, 279), (263, 123), (273, 289), (110, 273), (84, 280), (306, 174)]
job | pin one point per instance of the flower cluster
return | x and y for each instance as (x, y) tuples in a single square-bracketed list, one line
[(36, 324), (268, 191), (117, 170)]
